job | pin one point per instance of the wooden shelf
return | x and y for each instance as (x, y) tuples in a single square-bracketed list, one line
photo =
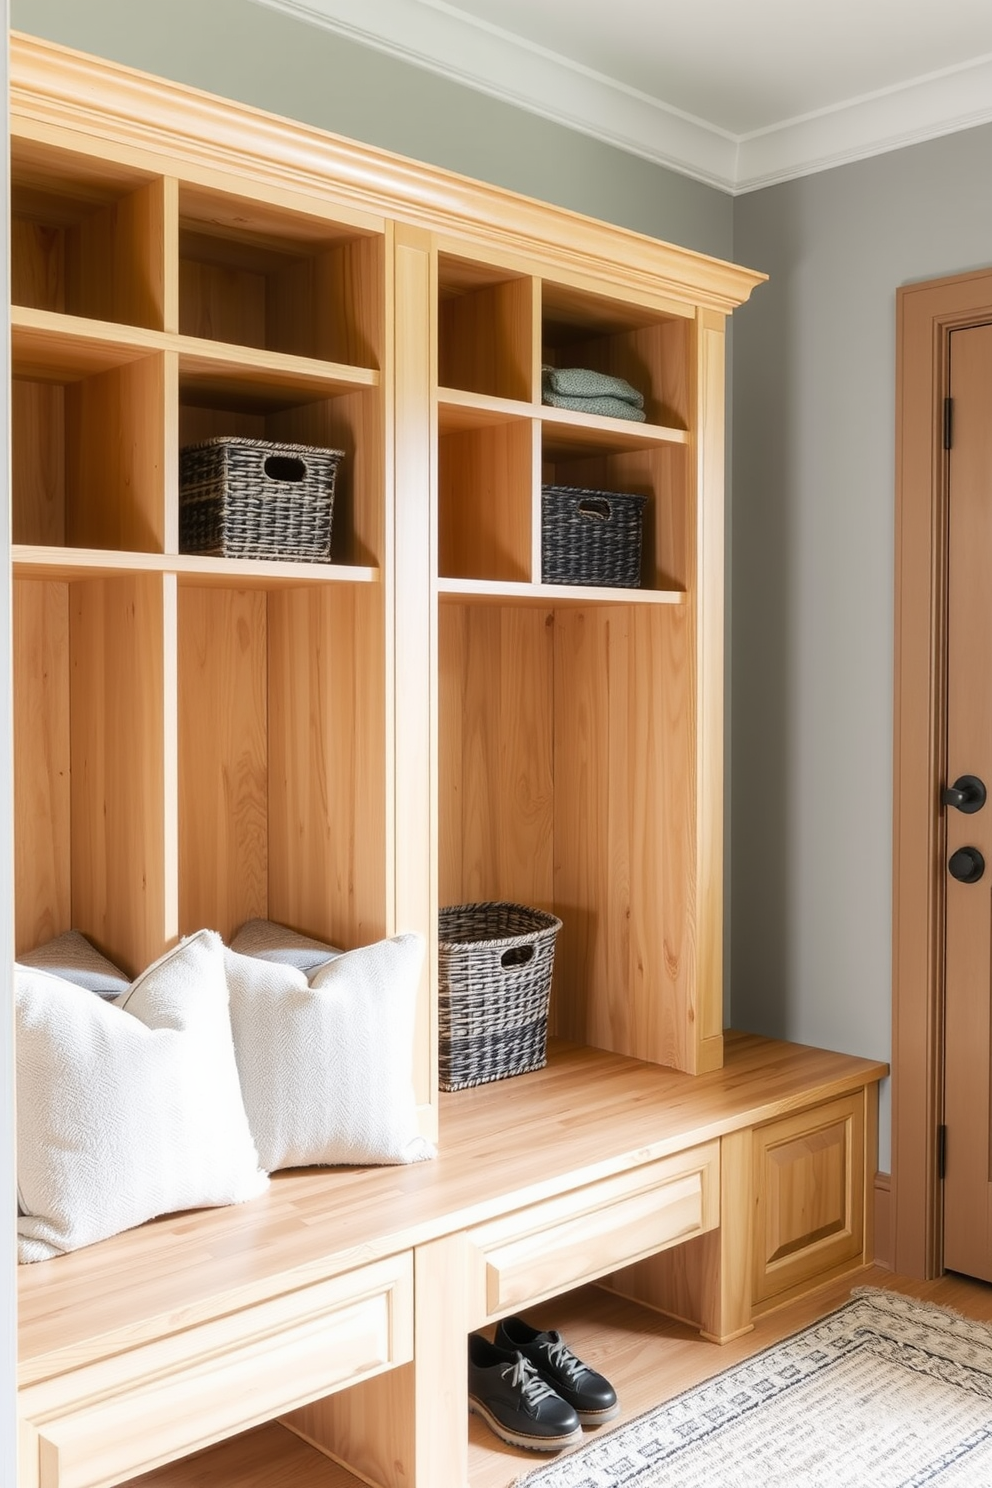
[(483, 591), (47, 345), (37, 562), (246, 377), (565, 431)]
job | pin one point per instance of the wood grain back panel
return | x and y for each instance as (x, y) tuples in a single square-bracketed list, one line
[(42, 881), (223, 758)]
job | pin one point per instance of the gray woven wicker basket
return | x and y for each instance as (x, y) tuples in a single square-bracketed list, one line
[(591, 537), (495, 963), (250, 498)]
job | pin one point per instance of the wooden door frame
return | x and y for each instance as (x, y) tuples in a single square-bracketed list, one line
[(926, 315)]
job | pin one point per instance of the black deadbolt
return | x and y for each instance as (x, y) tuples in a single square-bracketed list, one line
[(967, 865), (967, 794)]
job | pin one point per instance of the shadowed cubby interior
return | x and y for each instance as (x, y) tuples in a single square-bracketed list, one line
[(281, 759), (88, 445), (658, 471), (225, 403), (485, 494), (87, 237), (266, 277), (638, 342), (485, 329), (565, 770)]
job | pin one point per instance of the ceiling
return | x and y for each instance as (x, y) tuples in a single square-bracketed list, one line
[(737, 93)]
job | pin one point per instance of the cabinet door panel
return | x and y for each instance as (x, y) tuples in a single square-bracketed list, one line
[(809, 1195)]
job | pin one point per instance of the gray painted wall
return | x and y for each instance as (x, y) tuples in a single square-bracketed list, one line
[(813, 561), (262, 57)]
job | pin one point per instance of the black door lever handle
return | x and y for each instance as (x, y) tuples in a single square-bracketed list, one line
[(967, 794)]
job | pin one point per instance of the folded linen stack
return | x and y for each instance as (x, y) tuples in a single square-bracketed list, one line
[(585, 391)]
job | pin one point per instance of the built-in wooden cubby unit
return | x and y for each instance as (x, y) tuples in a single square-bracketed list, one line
[(93, 847), (282, 774), (485, 329), (638, 339), (265, 276), (310, 406), (88, 443), (485, 497), (638, 464), (88, 236), (344, 746)]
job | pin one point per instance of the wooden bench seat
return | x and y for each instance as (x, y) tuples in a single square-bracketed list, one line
[(197, 1326)]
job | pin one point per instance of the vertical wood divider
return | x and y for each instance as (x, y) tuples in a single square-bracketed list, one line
[(708, 421), (170, 254), (411, 648), (170, 759)]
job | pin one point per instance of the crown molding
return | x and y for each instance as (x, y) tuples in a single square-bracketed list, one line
[(490, 60), (941, 103), (438, 37), (63, 97)]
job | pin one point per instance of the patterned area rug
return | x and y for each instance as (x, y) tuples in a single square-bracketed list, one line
[(886, 1392)]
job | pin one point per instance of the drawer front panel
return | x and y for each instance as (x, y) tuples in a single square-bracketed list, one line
[(552, 1246), (809, 1195), (122, 1417)]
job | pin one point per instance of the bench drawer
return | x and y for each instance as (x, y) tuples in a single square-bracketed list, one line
[(122, 1416), (559, 1243)]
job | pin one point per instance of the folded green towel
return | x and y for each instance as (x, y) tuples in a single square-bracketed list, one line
[(609, 407), (582, 382)]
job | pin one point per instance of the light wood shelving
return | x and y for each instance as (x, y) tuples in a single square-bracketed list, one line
[(344, 747)]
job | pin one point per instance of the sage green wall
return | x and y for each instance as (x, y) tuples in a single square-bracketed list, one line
[(813, 565), (248, 52)]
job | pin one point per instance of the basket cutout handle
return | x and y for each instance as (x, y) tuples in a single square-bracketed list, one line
[(285, 468), (516, 956), (596, 508)]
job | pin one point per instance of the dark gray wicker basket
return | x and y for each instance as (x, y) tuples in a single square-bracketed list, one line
[(494, 972), (249, 498), (591, 537)]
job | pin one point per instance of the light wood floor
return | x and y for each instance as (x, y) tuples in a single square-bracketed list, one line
[(647, 1357)]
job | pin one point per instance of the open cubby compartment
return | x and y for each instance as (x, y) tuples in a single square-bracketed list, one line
[(92, 844), (487, 329), (647, 346), (266, 276), (567, 782), (217, 400), (88, 237), (88, 438), (485, 476), (282, 774), (657, 470)]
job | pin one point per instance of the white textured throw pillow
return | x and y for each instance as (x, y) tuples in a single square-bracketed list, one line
[(72, 957), (269, 941), (131, 1109), (326, 1067)]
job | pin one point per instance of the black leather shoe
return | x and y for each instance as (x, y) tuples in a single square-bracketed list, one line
[(506, 1390), (591, 1396)]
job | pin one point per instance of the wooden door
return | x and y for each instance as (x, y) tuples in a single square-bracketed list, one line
[(968, 958)]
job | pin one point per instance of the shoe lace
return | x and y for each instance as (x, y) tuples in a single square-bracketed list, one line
[(525, 1378), (562, 1358)]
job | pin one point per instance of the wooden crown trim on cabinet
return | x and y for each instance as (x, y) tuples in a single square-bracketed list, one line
[(131, 111)]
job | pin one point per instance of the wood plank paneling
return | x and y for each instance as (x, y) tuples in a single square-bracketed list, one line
[(326, 795), (495, 755), (121, 894), (42, 883), (37, 423), (223, 759), (115, 464)]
